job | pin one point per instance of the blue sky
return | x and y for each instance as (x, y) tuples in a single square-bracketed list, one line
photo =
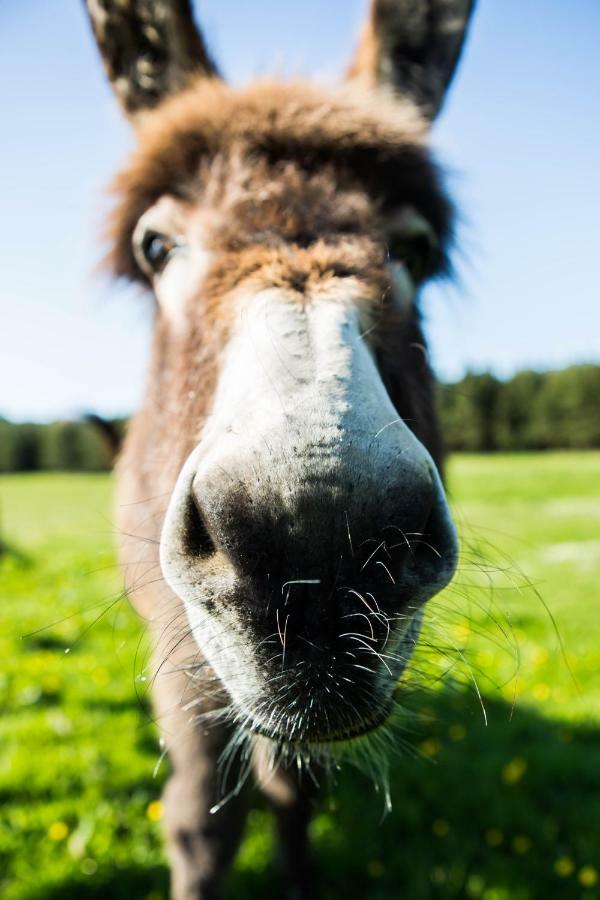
[(520, 136)]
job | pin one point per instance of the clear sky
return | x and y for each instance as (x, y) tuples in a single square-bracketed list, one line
[(520, 136)]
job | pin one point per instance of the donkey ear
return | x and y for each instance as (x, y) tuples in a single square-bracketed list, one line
[(150, 48), (412, 47)]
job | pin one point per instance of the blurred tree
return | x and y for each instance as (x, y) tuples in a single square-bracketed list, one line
[(7, 460), (519, 411), (72, 447), (530, 411), (469, 412), (26, 447), (480, 413), (569, 408)]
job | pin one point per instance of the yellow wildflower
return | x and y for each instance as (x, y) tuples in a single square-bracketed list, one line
[(375, 868), (541, 691), (58, 831), (457, 732), (564, 866), (494, 837), (540, 656), (514, 770), (101, 677), (154, 811), (588, 876), (461, 632), (521, 844), (430, 747)]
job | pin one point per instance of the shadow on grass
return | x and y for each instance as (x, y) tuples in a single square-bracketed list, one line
[(135, 702), (487, 813), (10, 554), (130, 883), (46, 640)]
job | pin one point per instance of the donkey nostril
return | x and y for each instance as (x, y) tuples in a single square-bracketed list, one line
[(197, 540), (436, 547)]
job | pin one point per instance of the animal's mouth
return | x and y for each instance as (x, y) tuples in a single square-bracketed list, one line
[(327, 726), (318, 738)]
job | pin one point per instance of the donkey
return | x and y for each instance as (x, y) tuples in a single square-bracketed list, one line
[(280, 499)]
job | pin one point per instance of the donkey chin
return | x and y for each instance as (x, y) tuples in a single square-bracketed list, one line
[(307, 528)]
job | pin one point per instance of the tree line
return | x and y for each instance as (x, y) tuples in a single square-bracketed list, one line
[(67, 446), (530, 411), (480, 413)]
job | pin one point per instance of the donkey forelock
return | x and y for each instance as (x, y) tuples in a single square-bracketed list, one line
[(347, 132)]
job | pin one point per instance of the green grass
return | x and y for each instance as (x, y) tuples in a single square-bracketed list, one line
[(510, 809)]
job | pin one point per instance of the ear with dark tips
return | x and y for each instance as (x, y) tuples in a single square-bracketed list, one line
[(412, 48), (150, 48)]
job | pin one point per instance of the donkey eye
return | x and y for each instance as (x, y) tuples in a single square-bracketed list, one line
[(156, 249)]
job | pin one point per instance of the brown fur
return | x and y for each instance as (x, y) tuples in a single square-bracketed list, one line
[(289, 183), (285, 185), (313, 214), (360, 135)]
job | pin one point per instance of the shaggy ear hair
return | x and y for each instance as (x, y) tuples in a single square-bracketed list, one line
[(150, 48), (412, 47)]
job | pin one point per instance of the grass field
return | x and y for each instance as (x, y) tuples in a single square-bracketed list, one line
[(507, 809)]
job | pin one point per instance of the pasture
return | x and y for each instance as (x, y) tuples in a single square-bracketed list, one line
[(495, 796)]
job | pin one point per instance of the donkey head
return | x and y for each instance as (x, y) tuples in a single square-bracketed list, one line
[(284, 231)]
